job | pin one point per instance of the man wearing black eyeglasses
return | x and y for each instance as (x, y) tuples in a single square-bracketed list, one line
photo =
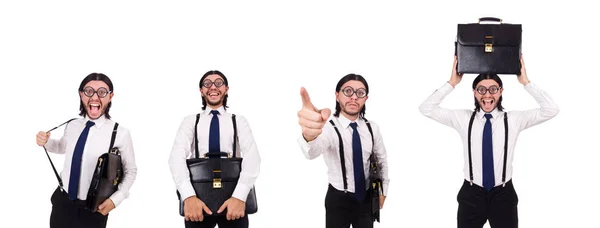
[(214, 130), (348, 201), (489, 135), (83, 141)]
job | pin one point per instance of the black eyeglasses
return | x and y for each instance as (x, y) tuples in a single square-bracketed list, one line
[(208, 83), (482, 90), (89, 92), (349, 91)]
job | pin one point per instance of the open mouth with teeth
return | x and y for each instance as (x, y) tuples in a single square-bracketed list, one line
[(213, 95), (488, 104), (94, 109)]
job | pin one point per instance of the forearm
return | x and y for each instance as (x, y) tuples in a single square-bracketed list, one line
[(55, 146), (548, 108)]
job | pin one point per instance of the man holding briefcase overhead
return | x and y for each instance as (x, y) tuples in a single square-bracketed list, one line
[(83, 141), (489, 135), (214, 131), (347, 141)]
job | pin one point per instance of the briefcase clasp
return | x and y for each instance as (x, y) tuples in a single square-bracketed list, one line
[(217, 183), (489, 48)]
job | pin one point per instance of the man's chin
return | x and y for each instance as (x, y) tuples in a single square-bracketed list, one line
[(214, 103), (93, 116), (351, 113)]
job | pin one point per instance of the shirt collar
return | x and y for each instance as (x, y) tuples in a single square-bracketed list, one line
[(345, 122), (221, 110), (495, 113), (97, 122)]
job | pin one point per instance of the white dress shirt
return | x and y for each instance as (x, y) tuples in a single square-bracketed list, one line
[(517, 121), (184, 148), (327, 144), (97, 144)]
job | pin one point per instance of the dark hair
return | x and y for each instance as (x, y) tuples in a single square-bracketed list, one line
[(224, 80), (338, 87), (95, 77), (482, 77)]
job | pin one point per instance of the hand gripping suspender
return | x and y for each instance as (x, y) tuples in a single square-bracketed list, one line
[(60, 182)]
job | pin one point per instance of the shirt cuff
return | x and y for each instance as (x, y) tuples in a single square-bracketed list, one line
[(446, 87), (186, 191), (118, 197), (305, 146), (241, 192), (385, 189)]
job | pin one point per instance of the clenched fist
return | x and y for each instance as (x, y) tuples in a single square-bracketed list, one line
[(42, 138)]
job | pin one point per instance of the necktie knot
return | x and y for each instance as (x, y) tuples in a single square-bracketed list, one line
[(488, 116), (89, 124), (353, 125), (214, 112)]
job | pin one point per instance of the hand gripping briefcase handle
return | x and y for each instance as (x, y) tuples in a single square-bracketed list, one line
[(495, 19)]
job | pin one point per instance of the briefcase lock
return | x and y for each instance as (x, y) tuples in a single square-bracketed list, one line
[(489, 48), (217, 183)]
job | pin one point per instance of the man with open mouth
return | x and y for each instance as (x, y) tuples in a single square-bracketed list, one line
[(83, 141), (489, 135)]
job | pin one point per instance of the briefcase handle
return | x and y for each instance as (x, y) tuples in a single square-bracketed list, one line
[(495, 19), (216, 154)]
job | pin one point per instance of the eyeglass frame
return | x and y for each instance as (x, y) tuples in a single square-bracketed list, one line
[(354, 92), (95, 91), (488, 89), (213, 83)]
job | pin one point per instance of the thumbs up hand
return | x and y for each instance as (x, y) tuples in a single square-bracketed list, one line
[(310, 118)]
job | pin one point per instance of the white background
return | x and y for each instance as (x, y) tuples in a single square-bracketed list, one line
[(155, 53)]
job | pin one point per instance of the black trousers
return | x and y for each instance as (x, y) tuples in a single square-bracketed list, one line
[(498, 206), (342, 209), (212, 221), (73, 214)]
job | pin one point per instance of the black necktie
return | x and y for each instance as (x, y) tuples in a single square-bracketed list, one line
[(76, 161), (488, 155), (214, 143), (357, 160)]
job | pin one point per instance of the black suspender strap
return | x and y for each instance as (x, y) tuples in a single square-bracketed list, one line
[(196, 135), (234, 135), (373, 161), (370, 131), (372, 158), (469, 139), (60, 183), (505, 148), (342, 160), (112, 138)]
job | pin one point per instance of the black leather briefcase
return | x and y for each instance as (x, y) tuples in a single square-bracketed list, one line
[(214, 179), (107, 176), (376, 186), (488, 48)]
